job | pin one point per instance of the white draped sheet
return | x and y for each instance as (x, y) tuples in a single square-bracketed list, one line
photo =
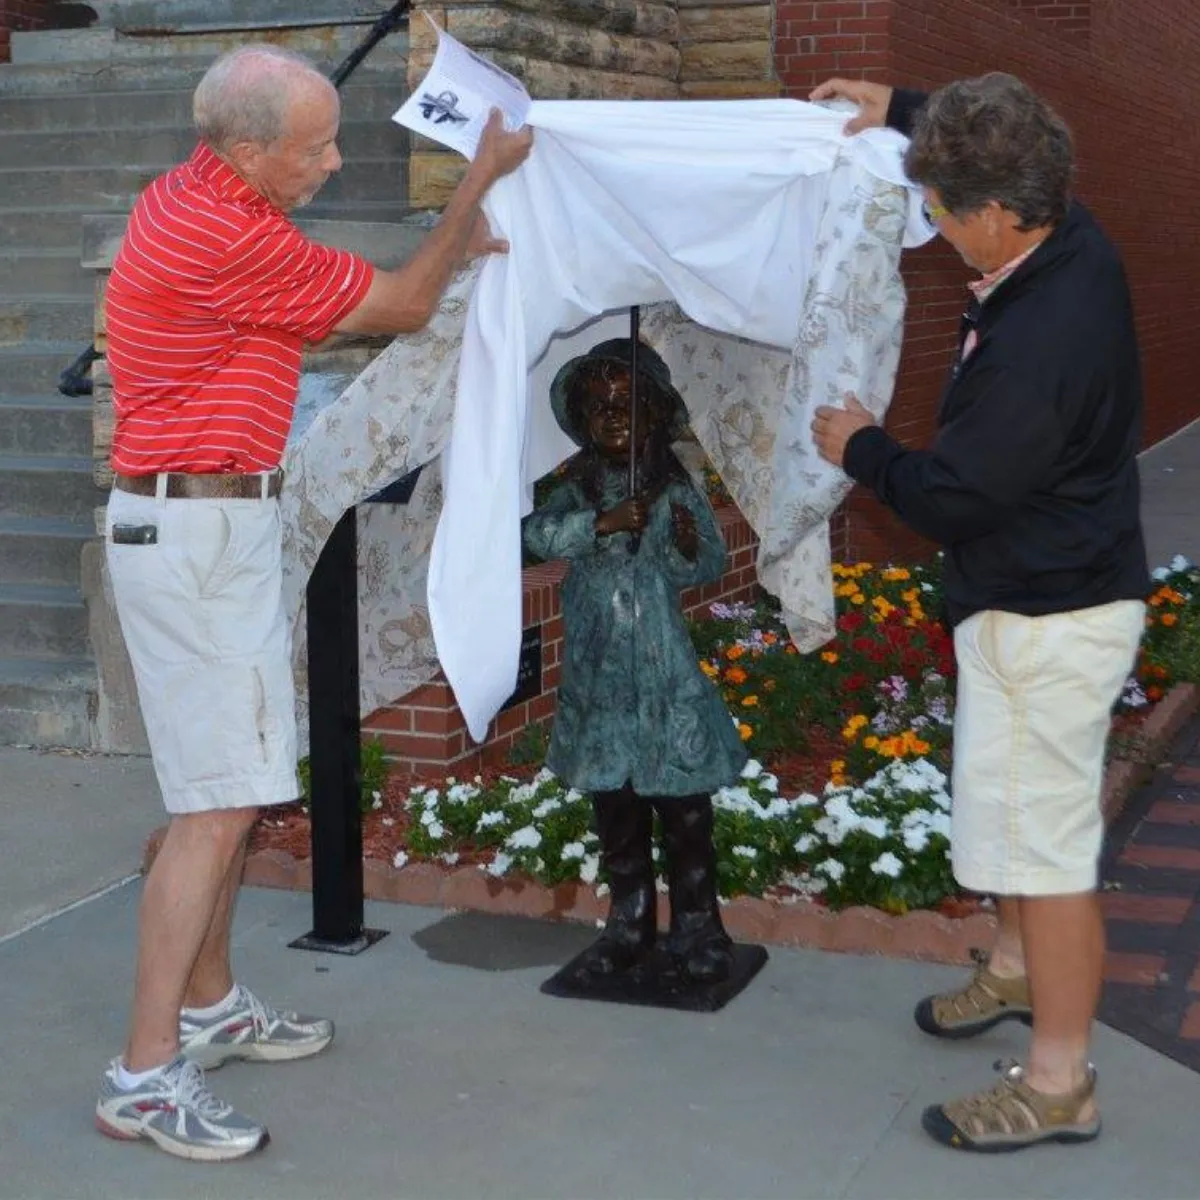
[(764, 247)]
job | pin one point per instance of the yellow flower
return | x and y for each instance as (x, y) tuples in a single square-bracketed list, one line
[(909, 595), (829, 656), (895, 574), (750, 702), (871, 742), (709, 669), (858, 598), (745, 732), (850, 732)]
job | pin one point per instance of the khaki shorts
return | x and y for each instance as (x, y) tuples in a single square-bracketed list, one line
[(201, 611), (1035, 696)]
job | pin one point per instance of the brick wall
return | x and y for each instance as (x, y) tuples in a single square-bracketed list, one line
[(425, 733), (1124, 77)]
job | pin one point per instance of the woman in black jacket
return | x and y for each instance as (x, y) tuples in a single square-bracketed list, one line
[(1031, 487)]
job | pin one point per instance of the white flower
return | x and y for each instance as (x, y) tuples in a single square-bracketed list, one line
[(831, 867), (387, 821), (462, 793), (488, 819), (805, 843), (450, 859), (745, 851), (875, 827), (1179, 563), (500, 864), (547, 806), (573, 850), (435, 830), (524, 839), (887, 864), (1160, 573), (376, 800), (752, 769), (916, 838), (400, 859)]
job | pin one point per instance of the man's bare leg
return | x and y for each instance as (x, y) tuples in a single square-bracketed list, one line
[(182, 892), (212, 975)]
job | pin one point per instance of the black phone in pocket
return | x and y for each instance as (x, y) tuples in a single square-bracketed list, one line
[(134, 535)]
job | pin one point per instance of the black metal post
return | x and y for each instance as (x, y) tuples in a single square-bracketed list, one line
[(334, 747)]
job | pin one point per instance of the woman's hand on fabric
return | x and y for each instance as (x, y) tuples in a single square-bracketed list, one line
[(872, 100), (832, 428)]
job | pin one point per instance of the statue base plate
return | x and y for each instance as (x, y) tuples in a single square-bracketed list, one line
[(657, 983)]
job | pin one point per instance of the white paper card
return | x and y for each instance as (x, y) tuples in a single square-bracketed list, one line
[(451, 104)]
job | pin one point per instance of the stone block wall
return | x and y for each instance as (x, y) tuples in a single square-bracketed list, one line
[(425, 733), (596, 49)]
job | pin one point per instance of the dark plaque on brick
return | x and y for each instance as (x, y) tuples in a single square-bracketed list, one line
[(529, 668)]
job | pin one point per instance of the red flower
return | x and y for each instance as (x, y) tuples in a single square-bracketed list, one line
[(854, 683), (851, 621)]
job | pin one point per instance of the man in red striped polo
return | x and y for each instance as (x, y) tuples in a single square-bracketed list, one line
[(212, 298)]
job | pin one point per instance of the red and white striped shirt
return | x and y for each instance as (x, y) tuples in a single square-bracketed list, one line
[(211, 298)]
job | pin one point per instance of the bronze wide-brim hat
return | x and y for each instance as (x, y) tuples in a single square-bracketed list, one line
[(615, 350)]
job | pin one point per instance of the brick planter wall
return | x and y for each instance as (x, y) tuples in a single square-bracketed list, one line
[(425, 733)]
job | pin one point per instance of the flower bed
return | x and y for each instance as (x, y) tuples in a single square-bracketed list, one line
[(839, 825)]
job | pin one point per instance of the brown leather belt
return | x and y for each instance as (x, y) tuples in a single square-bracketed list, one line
[(202, 487)]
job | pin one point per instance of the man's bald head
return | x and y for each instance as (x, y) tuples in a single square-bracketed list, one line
[(245, 96)]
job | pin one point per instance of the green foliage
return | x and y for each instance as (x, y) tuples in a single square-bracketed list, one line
[(373, 766)]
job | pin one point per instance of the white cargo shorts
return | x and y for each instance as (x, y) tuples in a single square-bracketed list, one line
[(198, 589)]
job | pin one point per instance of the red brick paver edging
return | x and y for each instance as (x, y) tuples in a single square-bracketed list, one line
[(924, 935)]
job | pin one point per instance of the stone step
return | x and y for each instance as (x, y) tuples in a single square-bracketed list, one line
[(75, 81), (45, 425), (114, 189), (171, 14), (48, 486), (44, 318), (46, 228), (43, 622), (42, 550), (374, 138), (34, 367), (50, 273), (108, 45), (48, 703)]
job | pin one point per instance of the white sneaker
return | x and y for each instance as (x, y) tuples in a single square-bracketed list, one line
[(252, 1030), (174, 1110)]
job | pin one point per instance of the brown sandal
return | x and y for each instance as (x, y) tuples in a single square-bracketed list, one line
[(1011, 1116), (985, 1000)]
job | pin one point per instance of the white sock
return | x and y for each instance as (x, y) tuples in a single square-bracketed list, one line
[(213, 1010), (132, 1079)]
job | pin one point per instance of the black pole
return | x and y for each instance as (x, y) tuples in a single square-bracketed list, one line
[(334, 748), (635, 320)]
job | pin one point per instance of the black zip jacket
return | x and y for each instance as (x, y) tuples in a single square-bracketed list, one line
[(1031, 484)]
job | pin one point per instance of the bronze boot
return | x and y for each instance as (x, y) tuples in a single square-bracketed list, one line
[(702, 950), (625, 825)]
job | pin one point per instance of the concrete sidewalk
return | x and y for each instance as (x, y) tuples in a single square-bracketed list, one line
[(453, 1077)]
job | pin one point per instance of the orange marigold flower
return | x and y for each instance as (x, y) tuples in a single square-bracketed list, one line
[(750, 702), (829, 656), (745, 732), (1169, 618), (1154, 692), (871, 742), (735, 652), (736, 675), (769, 639), (858, 598)]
